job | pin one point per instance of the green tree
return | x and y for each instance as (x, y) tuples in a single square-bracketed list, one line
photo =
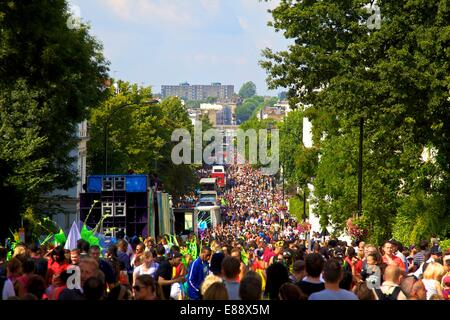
[(50, 76), (396, 79), (247, 90), (139, 137), (193, 104), (211, 100), (256, 124), (268, 102), (247, 108)]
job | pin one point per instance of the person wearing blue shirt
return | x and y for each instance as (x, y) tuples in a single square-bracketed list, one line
[(197, 273)]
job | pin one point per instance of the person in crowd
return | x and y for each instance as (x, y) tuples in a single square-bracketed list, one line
[(120, 292), (333, 274), (124, 258), (197, 273), (150, 266), (390, 288), (147, 288), (434, 255), (216, 291), (362, 263), (20, 250), (407, 285), (350, 258), (180, 270), (291, 292), (56, 264), (446, 279), (432, 280), (216, 264), (363, 292), (136, 259), (56, 288), (3, 262), (75, 256), (215, 271), (419, 257), (371, 272), (299, 270), (84, 247), (277, 275), (250, 287), (40, 262), (209, 280), (89, 267), (314, 263), (21, 284), (236, 253), (160, 253), (6, 288), (230, 272), (390, 258), (93, 289), (397, 248), (35, 287), (105, 266), (163, 274)]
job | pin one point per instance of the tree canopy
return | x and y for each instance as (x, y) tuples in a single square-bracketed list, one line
[(50, 76), (139, 137), (247, 90), (397, 80)]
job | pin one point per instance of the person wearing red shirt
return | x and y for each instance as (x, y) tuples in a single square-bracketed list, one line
[(390, 258), (56, 264)]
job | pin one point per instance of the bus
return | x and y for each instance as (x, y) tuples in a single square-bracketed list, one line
[(218, 172), (208, 185)]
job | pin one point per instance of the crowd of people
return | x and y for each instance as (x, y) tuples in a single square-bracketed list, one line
[(258, 252)]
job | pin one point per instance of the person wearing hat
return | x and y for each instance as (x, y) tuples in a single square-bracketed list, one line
[(165, 270), (435, 256)]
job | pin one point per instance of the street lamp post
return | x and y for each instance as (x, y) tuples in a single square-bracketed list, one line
[(105, 129), (304, 203), (360, 163)]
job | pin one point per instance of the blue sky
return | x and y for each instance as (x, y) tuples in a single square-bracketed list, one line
[(155, 42)]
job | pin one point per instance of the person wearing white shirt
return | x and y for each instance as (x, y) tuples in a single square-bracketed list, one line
[(149, 266), (8, 289)]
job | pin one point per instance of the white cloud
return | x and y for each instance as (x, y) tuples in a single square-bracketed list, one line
[(213, 59), (120, 7), (210, 6), (243, 23), (260, 5), (174, 12)]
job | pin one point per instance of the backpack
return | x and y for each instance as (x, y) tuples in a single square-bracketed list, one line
[(392, 296)]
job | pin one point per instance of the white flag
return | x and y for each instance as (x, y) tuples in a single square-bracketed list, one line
[(73, 237)]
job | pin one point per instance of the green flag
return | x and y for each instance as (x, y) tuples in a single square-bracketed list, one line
[(60, 238)]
